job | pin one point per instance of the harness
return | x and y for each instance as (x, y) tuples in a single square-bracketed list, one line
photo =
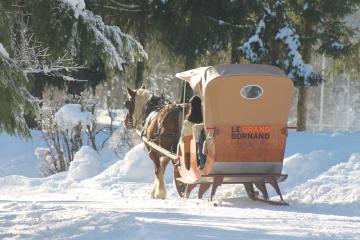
[(151, 109), (154, 104), (149, 118), (149, 112)]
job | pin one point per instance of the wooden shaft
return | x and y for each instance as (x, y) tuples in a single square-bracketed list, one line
[(156, 147)]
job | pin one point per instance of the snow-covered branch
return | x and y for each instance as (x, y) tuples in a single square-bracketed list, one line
[(33, 58), (3, 51), (98, 41), (254, 48), (294, 62), (119, 9), (14, 93)]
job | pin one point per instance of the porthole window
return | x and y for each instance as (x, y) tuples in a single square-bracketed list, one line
[(251, 92)]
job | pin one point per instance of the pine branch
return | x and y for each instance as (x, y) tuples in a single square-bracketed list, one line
[(132, 6), (119, 9), (224, 23)]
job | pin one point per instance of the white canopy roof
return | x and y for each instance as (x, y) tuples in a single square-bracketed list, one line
[(198, 78)]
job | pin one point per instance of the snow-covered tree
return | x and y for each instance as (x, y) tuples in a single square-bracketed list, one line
[(46, 32), (15, 99), (68, 27), (289, 33)]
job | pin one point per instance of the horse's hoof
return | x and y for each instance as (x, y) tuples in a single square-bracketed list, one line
[(159, 196)]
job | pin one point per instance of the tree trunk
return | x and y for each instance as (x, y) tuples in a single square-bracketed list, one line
[(140, 66), (189, 64), (302, 111), (235, 53), (302, 108), (190, 55), (37, 91)]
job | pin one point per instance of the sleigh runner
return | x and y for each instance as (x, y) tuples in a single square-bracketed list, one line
[(245, 110)]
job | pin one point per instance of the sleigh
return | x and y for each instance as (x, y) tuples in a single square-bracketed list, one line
[(245, 110)]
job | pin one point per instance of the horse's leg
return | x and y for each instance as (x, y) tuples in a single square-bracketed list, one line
[(161, 187), (160, 163), (155, 158), (159, 190), (164, 161)]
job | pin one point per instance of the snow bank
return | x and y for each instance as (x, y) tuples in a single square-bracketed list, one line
[(302, 167), (339, 185), (135, 167), (70, 115), (17, 155), (85, 165), (3, 51)]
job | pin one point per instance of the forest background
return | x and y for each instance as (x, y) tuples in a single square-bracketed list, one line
[(56, 48)]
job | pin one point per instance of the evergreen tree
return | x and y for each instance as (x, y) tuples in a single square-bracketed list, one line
[(134, 16), (289, 33), (15, 100), (186, 29), (67, 30)]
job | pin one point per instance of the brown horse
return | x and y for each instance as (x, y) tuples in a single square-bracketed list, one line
[(160, 122)]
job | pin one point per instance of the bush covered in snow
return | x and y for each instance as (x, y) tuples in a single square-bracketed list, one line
[(86, 164), (66, 129), (70, 115)]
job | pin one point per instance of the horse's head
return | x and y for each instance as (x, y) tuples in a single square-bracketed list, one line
[(130, 106), (135, 104), (140, 104)]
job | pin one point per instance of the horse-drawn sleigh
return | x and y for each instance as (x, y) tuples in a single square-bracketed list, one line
[(244, 111)]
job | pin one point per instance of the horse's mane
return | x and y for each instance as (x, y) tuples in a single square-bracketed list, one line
[(142, 97)]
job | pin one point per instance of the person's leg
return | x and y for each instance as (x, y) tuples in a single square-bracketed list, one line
[(201, 155)]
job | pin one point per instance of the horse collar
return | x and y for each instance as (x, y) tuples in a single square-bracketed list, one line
[(153, 104)]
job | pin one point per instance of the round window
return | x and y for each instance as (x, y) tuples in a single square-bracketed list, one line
[(251, 92)]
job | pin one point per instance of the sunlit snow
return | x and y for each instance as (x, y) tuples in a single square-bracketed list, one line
[(322, 190)]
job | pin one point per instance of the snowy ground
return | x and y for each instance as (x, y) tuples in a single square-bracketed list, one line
[(323, 190)]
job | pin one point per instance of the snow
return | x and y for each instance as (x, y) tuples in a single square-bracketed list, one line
[(117, 46), (279, 2), (301, 166), (337, 45), (291, 39), (133, 168), (338, 185), (269, 11), (112, 45), (3, 51), (80, 4), (323, 191), (17, 156), (104, 116), (247, 47), (70, 115), (76, 5), (85, 165), (306, 6)]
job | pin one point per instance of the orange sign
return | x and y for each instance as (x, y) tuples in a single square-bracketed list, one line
[(261, 132)]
